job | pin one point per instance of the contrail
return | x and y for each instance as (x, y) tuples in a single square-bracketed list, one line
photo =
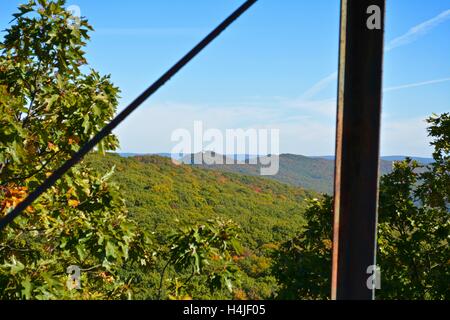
[(412, 35), (417, 84), (319, 86), (417, 31)]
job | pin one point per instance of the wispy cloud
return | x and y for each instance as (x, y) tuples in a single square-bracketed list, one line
[(327, 107), (405, 136), (298, 134), (417, 84), (324, 107), (319, 86), (417, 31), (296, 131), (412, 35)]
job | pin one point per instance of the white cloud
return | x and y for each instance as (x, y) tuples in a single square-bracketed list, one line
[(307, 137), (149, 129), (325, 107), (405, 137)]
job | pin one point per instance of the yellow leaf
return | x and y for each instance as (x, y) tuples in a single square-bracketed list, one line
[(74, 203), (327, 243), (52, 147)]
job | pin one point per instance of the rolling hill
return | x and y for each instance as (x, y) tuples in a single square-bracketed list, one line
[(162, 195), (312, 173), (297, 170)]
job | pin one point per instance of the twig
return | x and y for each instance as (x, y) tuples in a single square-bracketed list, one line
[(162, 278)]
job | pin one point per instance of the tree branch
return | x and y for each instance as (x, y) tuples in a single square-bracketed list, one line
[(33, 173), (33, 96), (162, 278)]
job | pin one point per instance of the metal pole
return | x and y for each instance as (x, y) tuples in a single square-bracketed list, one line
[(357, 147)]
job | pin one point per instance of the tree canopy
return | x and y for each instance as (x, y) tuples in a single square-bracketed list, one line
[(146, 228), (413, 232), (48, 108)]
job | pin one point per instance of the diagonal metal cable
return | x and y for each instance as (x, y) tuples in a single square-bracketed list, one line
[(88, 146)]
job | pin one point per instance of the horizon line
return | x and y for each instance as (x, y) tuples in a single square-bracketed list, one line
[(253, 155)]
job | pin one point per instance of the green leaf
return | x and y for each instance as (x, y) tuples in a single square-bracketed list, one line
[(15, 266), (111, 250), (86, 124), (196, 262), (81, 250), (27, 286), (109, 174), (228, 284)]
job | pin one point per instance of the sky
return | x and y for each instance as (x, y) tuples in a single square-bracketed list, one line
[(274, 68)]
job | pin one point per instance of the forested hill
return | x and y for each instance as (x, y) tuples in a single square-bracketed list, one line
[(160, 193), (297, 170)]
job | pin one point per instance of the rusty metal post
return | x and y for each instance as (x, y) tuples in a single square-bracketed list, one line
[(357, 147)]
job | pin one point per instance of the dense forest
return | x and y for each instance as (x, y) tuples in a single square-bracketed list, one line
[(146, 228), (310, 173), (164, 197)]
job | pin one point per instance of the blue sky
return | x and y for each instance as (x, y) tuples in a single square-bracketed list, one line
[(274, 68)]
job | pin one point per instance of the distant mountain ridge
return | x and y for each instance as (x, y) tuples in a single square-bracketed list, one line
[(421, 160), (240, 157), (312, 173)]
